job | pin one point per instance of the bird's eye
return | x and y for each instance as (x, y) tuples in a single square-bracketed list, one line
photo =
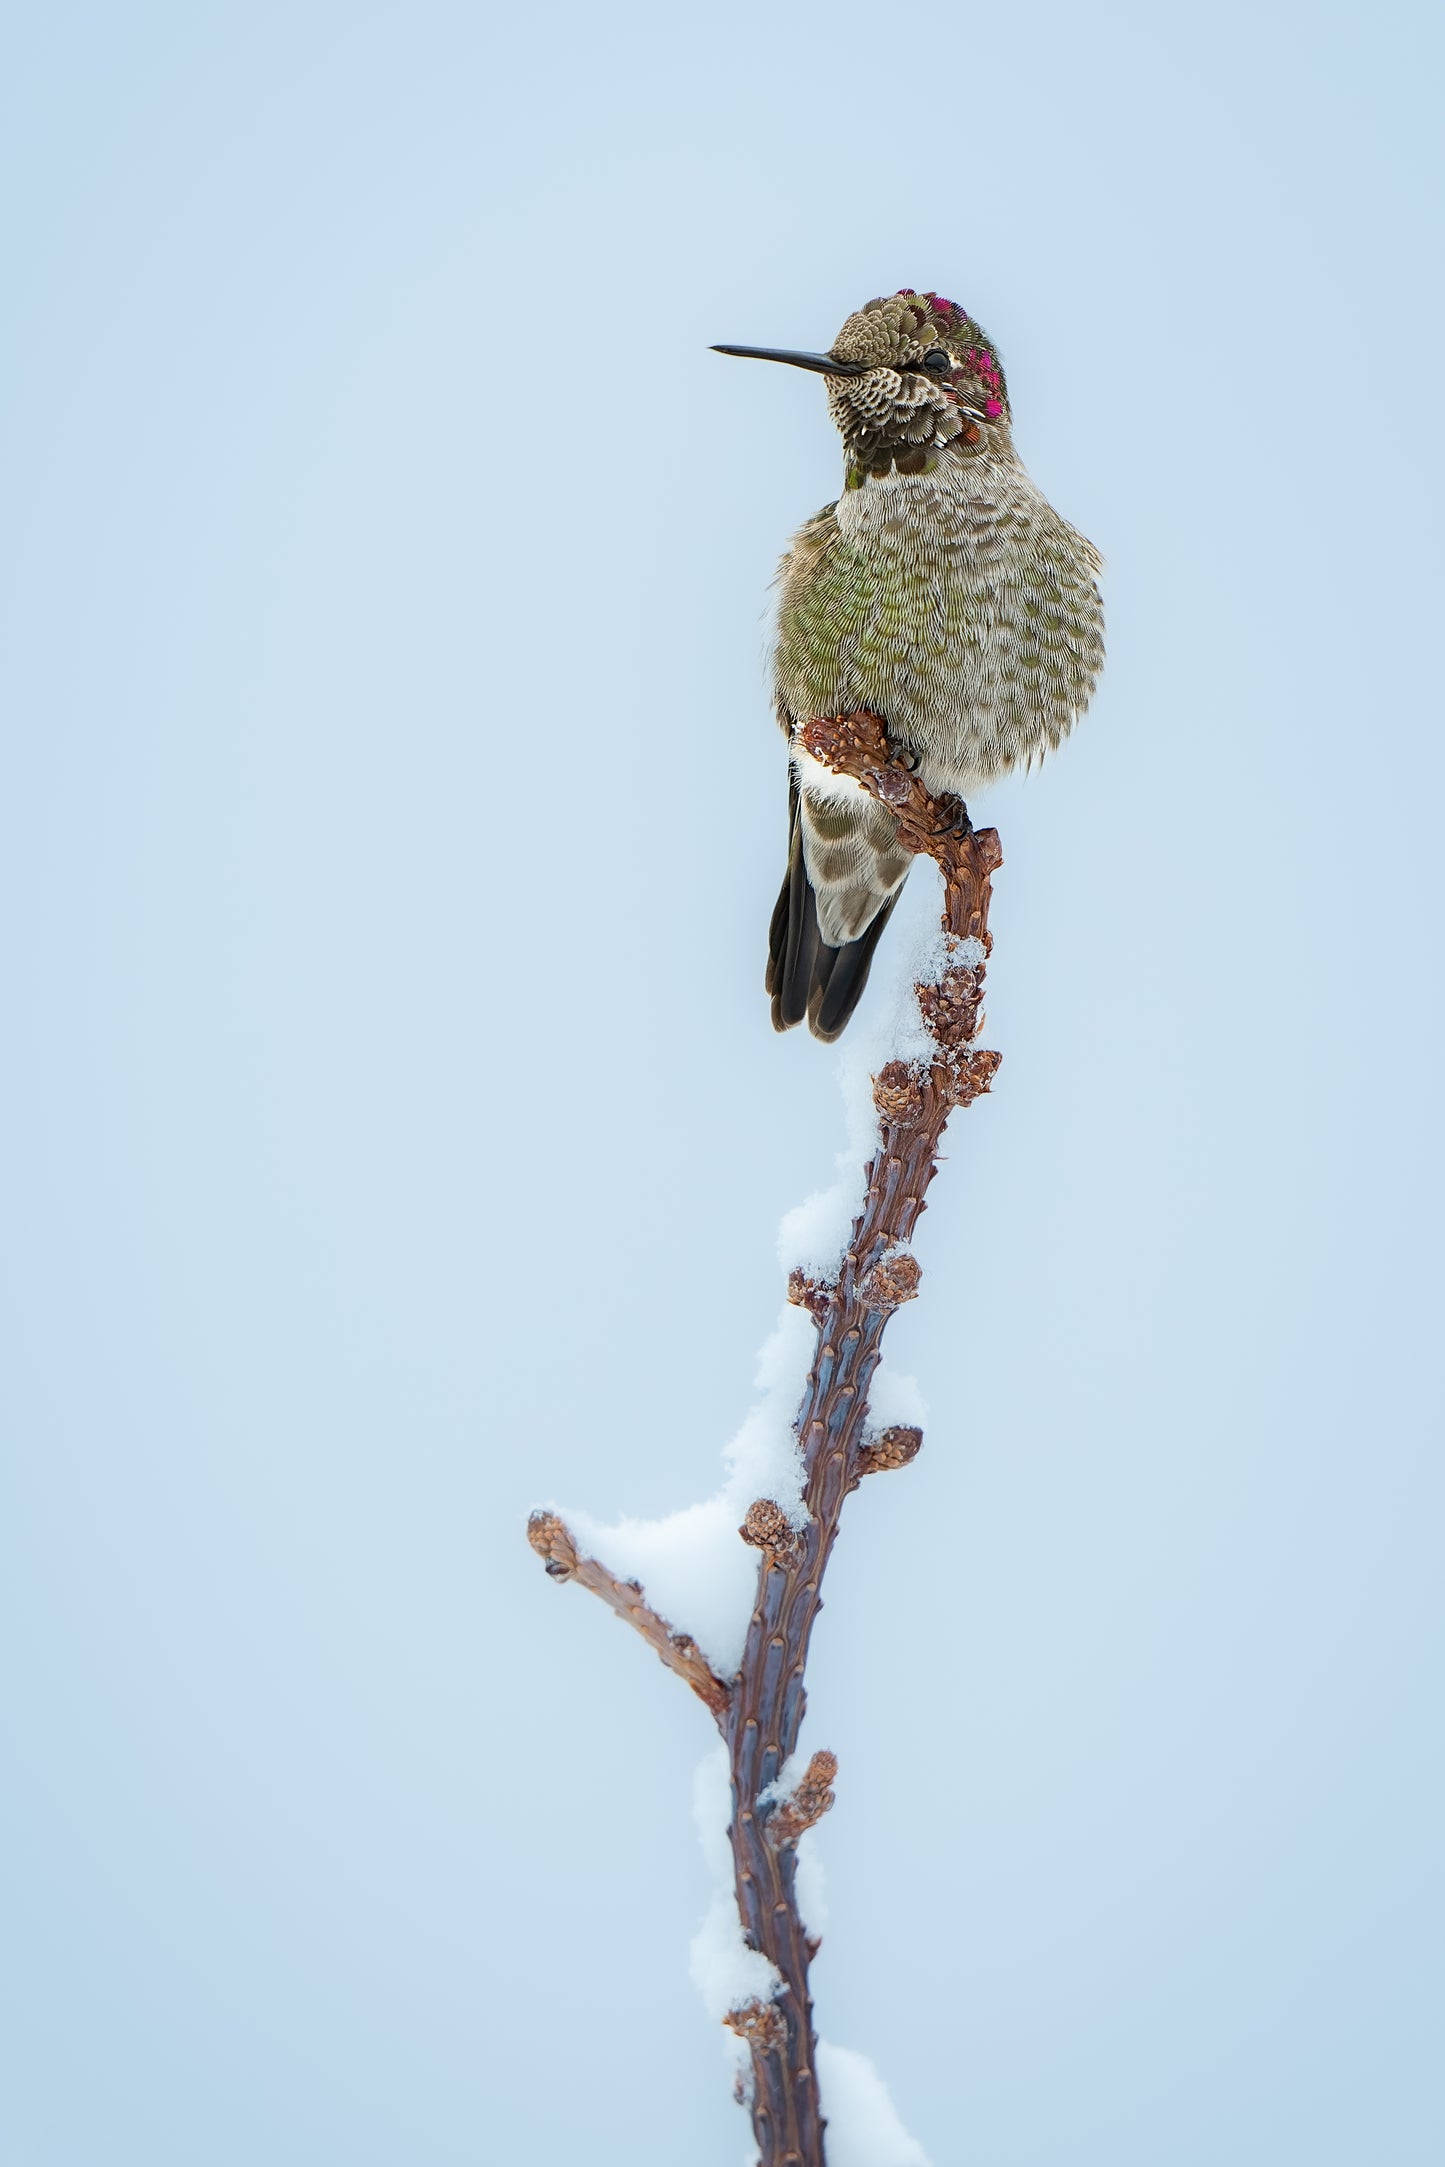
[(937, 360)]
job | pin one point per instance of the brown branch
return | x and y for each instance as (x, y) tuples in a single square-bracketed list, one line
[(878, 1272), (554, 1543), (761, 1712)]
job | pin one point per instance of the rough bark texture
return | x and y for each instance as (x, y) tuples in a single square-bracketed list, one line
[(761, 1711)]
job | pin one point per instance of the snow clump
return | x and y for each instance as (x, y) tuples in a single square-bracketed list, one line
[(696, 1570), (863, 2125)]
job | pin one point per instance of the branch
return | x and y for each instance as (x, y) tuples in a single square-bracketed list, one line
[(878, 1273), (761, 1712), (554, 1543)]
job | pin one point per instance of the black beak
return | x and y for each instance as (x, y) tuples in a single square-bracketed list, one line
[(824, 364)]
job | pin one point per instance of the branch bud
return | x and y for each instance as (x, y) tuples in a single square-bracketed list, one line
[(950, 1006), (890, 784), (889, 1449), (970, 1074), (761, 2023), (892, 1281), (813, 1295), (898, 1091), (767, 1527), (848, 744), (808, 1803), (552, 1541)]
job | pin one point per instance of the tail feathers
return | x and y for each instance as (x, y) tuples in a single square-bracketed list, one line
[(794, 941), (839, 986), (807, 978)]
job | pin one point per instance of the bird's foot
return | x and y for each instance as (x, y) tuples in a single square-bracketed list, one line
[(953, 816)]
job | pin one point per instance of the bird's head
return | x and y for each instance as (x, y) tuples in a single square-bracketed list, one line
[(909, 376)]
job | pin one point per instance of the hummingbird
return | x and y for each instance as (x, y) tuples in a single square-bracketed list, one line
[(943, 592)]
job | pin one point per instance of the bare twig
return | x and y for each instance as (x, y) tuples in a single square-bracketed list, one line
[(761, 1710), (553, 1541)]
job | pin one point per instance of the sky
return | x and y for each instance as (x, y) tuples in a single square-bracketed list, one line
[(394, 1136)]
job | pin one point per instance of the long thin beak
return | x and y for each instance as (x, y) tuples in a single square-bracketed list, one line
[(824, 364)]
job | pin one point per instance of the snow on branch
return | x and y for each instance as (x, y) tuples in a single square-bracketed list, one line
[(553, 1542), (852, 1266)]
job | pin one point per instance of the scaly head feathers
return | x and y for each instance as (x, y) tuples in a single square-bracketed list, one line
[(931, 378)]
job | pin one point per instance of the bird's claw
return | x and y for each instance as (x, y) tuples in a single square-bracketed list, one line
[(954, 818)]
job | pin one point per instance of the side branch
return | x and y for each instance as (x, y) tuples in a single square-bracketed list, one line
[(760, 1713), (554, 1543)]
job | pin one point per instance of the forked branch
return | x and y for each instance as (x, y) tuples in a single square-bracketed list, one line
[(760, 1711)]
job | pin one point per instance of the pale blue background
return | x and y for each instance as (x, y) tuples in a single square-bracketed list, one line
[(394, 1133)]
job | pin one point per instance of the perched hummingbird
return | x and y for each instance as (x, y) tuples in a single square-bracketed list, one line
[(943, 592)]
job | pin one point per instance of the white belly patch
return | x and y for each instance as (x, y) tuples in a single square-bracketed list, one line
[(820, 782)]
